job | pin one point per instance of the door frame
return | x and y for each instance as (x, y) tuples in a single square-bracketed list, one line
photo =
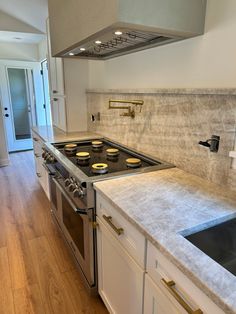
[(36, 95)]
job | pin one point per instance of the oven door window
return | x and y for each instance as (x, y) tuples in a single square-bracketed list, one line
[(74, 225)]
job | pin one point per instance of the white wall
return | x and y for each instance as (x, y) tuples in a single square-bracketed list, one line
[(42, 48), (21, 52), (205, 61)]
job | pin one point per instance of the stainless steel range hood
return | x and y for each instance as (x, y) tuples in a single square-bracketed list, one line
[(103, 29)]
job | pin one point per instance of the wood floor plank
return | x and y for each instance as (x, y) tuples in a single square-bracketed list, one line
[(6, 301), (52, 288), (4, 269), (22, 271), (82, 302), (28, 300)]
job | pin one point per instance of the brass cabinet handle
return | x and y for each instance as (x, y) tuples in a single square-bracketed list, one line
[(37, 155), (170, 287), (108, 219), (35, 139), (38, 175)]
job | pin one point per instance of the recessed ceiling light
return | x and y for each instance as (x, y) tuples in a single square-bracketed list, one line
[(118, 33), (82, 49), (98, 42), (71, 54)]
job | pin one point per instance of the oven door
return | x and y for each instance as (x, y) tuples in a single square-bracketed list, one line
[(77, 226), (53, 191)]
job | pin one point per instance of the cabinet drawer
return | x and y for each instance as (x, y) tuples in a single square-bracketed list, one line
[(130, 238), (155, 301), (163, 273)]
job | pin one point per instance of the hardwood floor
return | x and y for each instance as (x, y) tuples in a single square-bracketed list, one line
[(37, 273)]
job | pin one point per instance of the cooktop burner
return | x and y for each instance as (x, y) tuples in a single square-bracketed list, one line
[(99, 154)]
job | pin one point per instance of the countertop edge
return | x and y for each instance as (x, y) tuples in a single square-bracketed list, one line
[(171, 91)]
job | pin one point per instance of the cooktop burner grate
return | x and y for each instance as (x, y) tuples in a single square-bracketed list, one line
[(99, 156)]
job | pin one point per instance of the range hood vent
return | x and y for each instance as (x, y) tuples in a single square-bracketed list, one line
[(103, 29), (115, 45)]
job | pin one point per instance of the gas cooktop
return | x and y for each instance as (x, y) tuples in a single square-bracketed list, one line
[(103, 157)]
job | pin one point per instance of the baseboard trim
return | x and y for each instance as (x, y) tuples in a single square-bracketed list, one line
[(4, 162)]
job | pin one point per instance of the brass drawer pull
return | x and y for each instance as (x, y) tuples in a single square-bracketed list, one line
[(108, 219), (37, 155), (38, 175), (35, 139), (170, 286)]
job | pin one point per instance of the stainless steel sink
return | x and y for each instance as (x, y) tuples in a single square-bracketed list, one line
[(218, 242)]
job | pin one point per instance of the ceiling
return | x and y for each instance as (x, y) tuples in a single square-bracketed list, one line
[(24, 21), (19, 37)]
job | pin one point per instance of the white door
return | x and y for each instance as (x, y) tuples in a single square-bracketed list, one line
[(22, 101), (19, 114)]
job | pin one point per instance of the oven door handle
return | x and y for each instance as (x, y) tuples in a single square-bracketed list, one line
[(50, 169), (77, 210)]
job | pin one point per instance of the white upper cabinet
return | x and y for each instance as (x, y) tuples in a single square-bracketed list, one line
[(55, 70)]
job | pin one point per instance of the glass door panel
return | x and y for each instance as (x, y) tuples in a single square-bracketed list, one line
[(20, 103)]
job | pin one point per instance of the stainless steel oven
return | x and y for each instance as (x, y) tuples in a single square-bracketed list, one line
[(77, 227), (76, 223)]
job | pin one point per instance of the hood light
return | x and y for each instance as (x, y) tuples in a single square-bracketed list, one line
[(82, 49), (118, 33)]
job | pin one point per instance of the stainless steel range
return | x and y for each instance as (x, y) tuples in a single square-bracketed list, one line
[(73, 168)]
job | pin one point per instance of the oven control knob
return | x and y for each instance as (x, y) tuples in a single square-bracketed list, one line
[(51, 159), (45, 155), (72, 187), (67, 182), (78, 192)]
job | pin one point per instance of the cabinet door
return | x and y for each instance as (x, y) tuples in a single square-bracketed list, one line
[(155, 301), (55, 70), (55, 111), (120, 279), (58, 106)]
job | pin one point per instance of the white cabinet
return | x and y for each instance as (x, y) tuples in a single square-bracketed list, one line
[(168, 288), (120, 278), (55, 70), (68, 81), (57, 88), (58, 108), (41, 172), (120, 262)]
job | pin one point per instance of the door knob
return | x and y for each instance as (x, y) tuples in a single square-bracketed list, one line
[(7, 115)]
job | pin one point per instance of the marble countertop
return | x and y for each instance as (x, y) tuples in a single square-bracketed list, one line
[(168, 204), (52, 134)]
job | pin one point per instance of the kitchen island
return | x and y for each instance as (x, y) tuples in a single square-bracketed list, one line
[(167, 205)]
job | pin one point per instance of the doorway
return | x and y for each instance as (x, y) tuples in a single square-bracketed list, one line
[(22, 102)]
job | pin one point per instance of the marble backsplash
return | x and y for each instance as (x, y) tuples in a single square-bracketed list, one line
[(171, 124)]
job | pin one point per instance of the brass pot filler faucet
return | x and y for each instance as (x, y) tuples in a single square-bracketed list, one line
[(131, 110)]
